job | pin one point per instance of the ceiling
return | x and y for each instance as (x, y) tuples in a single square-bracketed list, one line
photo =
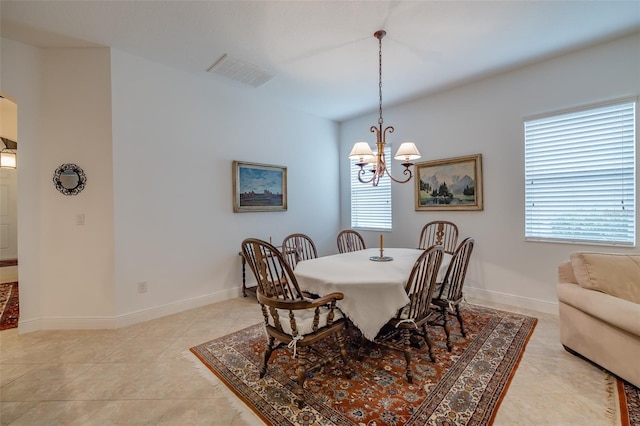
[(322, 54)]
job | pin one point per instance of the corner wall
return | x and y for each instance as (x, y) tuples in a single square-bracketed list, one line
[(486, 117)]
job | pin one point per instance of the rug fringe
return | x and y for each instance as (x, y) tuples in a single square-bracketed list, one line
[(611, 411), (242, 409)]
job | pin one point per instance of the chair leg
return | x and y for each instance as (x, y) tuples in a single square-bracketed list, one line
[(446, 327), (464, 333), (267, 354), (363, 342), (426, 339), (301, 373), (343, 353), (406, 337)]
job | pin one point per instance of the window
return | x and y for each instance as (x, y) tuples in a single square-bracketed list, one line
[(371, 205), (580, 176)]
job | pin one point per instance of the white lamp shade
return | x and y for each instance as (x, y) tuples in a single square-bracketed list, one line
[(407, 151), (8, 159), (361, 151)]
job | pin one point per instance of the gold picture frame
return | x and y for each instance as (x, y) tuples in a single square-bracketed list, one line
[(259, 187), (449, 184)]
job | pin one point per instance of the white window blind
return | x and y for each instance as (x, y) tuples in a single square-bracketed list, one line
[(371, 205), (580, 176)]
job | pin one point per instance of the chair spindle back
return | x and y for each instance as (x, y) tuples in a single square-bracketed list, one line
[(275, 277), (457, 271), (298, 247), (439, 232), (422, 282), (350, 240)]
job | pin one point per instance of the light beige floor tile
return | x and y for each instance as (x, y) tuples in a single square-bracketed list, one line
[(100, 382), (42, 383), (509, 415), (202, 412), (11, 372), (9, 274), (131, 412), (559, 409), (69, 413), (10, 411)]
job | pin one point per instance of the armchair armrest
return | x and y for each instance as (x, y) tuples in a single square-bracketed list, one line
[(299, 304)]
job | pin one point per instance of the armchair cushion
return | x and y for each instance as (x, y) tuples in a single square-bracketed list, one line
[(614, 274), (304, 319), (618, 312)]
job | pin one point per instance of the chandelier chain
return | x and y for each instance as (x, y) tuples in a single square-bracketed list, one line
[(380, 80)]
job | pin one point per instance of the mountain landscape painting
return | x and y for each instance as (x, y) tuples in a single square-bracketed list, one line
[(450, 184)]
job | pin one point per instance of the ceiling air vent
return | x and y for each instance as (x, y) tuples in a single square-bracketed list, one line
[(240, 71)]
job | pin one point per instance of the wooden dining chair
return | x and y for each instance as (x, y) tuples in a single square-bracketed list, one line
[(350, 240), (449, 295), (298, 247), (411, 321), (294, 321), (439, 232)]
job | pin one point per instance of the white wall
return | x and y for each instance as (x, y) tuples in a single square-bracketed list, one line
[(76, 261), (175, 137), (486, 117)]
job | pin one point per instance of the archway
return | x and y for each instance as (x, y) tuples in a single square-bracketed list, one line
[(8, 219)]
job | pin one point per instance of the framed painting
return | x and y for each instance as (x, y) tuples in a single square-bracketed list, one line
[(449, 184), (259, 187)]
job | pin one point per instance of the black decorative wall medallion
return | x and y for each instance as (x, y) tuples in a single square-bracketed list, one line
[(69, 179)]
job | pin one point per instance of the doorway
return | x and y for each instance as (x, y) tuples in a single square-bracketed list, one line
[(9, 308)]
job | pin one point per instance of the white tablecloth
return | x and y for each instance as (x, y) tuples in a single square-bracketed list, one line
[(373, 291)]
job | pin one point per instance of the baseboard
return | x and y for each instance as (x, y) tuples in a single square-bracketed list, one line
[(94, 323), (480, 295)]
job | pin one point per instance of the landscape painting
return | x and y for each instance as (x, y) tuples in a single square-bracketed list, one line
[(449, 184), (259, 187)]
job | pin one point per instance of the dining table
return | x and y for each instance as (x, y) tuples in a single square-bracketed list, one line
[(374, 290)]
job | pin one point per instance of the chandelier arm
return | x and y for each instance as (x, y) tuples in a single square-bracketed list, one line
[(361, 173), (406, 170)]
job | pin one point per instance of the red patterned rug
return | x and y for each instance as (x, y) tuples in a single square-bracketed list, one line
[(629, 400), (464, 387), (9, 306)]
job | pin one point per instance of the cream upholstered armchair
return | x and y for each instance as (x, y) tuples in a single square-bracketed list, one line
[(293, 320), (599, 310)]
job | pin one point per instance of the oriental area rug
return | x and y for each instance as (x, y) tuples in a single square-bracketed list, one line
[(9, 305), (629, 401), (463, 387)]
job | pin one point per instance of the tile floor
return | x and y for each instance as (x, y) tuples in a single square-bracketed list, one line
[(138, 376), (9, 274)]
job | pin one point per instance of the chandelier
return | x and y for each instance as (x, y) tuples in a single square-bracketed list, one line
[(362, 151)]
